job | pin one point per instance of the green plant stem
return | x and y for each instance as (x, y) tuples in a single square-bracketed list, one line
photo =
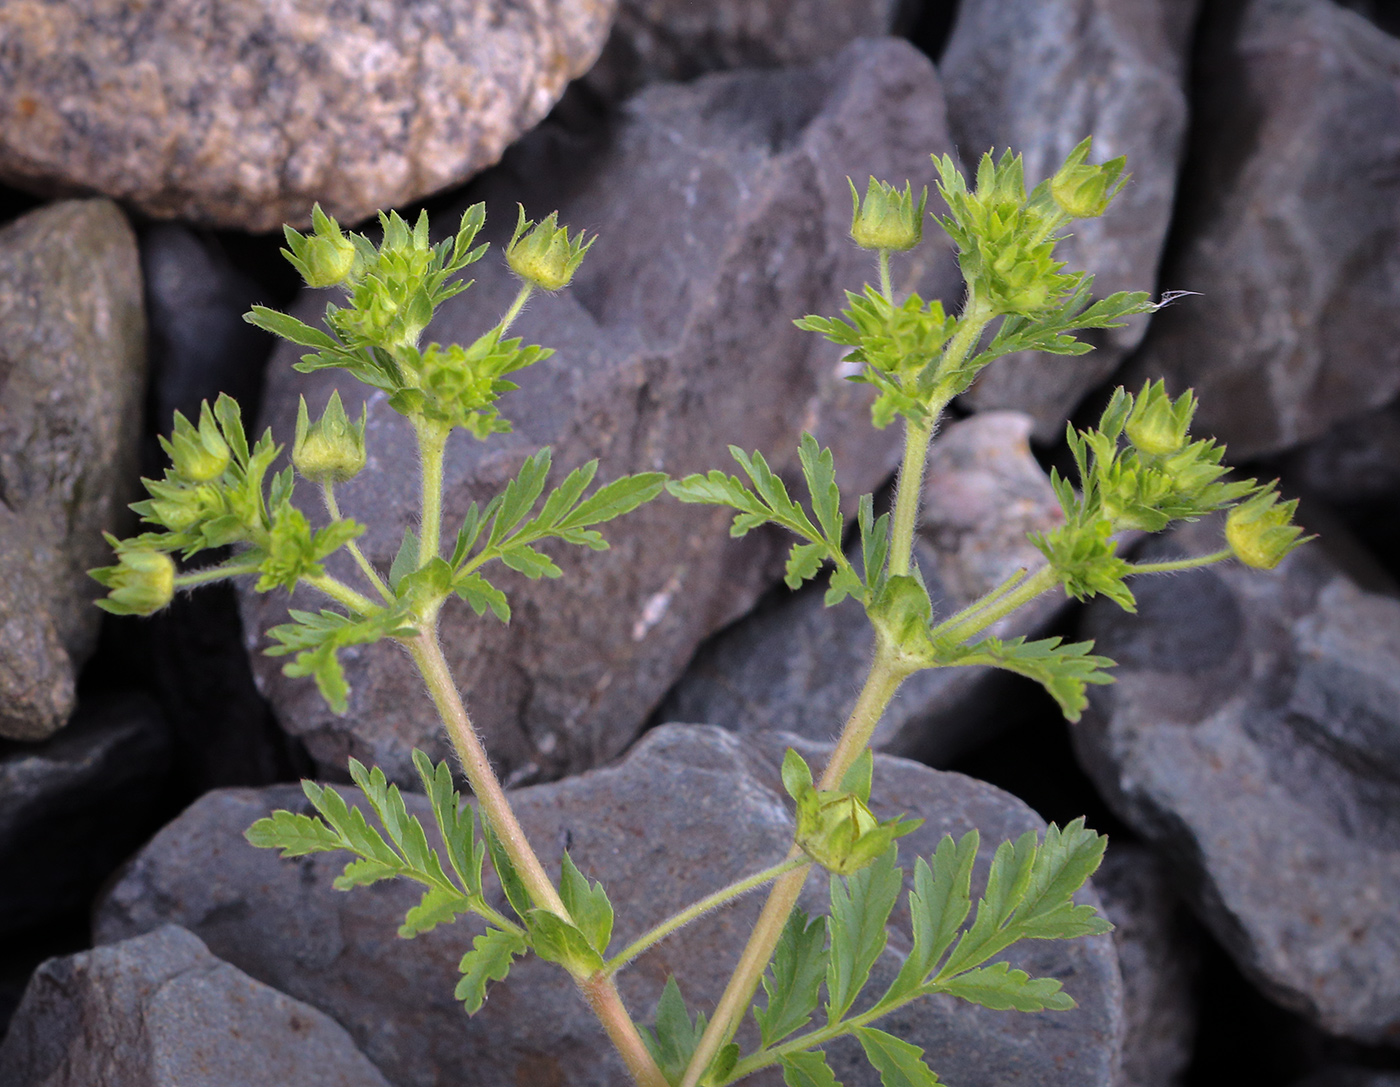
[(212, 573), (885, 286), (1181, 564), (598, 990), (333, 508), (338, 591), (698, 909), (964, 625), (526, 290), (880, 685), (432, 443)]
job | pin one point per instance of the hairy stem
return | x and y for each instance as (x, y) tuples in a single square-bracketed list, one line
[(885, 286), (1181, 564), (526, 290), (879, 688), (212, 573), (980, 616), (333, 508), (917, 436), (338, 591), (432, 443), (698, 909), (603, 997)]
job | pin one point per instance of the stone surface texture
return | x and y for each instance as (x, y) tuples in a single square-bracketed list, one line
[(1157, 957), (656, 41), (245, 115), (1253, 736), (688, 810), (722, 212), (72, 369), (794, 665), (1289, 228), (160, 1011), (1038, 76), (89, 795)]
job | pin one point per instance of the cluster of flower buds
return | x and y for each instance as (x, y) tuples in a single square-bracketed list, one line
[(836, 827), (887, 219), (542, 254), (331, 450)]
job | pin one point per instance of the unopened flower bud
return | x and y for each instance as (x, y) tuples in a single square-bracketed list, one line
[(1157, 425), (326, 257), (197, 454), (542, 253), (142, 582), (1083, 191), (332, 450), (836, 828), (1260, 530), (887, 218)]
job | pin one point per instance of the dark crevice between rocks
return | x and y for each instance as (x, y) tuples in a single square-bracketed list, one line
[(14, 203), (928, 25), (1383, 13)]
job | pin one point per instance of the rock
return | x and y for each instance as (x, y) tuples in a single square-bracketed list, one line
[(1038, 77), (722, 211), (688, 810), (243, 117), (73, 807), (654, 41), (1253, 737), (72, 367), (160, 1011), (200, 344), (1288, 225), (1157, 956), (796, 666)]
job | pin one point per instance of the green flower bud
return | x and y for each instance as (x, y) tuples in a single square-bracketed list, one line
[(1157, 425), (1083, 191), (333, 449), (888, 218), (542, 254), (1260, 530), (198, 455), (326, 257), (834, 827), (142, 582), (181, 509)]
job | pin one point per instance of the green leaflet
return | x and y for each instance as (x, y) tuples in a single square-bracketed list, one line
[(673, 1037), (588, 904), (295, 835), (489, 960), (794, 978), (860, 906), (899, 1063), (1063, 670), (439, 906), (938, 905), (808, 1069), (1003, 989)]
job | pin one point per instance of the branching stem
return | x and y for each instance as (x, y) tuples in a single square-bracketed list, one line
[(338, 591), (333, 508)]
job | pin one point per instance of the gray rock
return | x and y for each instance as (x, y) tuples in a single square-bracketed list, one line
[(722, 212), (794, 665), (688, 810), (244, 116), (1288, 224), (654, 41), (1157, 956), (160, 1011), (1356, 463), (1253, 736), (1038, 77), (72, 367), (75, 806)]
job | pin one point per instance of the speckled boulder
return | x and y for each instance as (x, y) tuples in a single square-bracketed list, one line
[(242, 115)]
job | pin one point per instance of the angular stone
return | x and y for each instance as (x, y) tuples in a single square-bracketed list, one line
[(722, 212), (1038, 77), (794, 665), (688, 810), (654, 41), (160, 1011), (1253, 736), (245, 116), (1157, 956), (72, 369), (74, 807), (1288, 224)]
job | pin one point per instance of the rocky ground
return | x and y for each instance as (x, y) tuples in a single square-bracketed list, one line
[(1246, 764)]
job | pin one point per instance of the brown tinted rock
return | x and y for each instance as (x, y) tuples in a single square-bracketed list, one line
[(160, 1011), (1037, 77), (794, 665), (722, 212), (689, 809), (72, 368), (1289, 227), (244, 116), (1253, 736)]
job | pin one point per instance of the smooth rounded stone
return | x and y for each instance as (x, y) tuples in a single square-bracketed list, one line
[(1157, 957), (72, 370), (1038, 76), (1287, 223), (1253, 736), (160, 1011), (200, 344), (74, 807), (794, 665), (722, 213), (659, 40), (688, 810), (244, 116)]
